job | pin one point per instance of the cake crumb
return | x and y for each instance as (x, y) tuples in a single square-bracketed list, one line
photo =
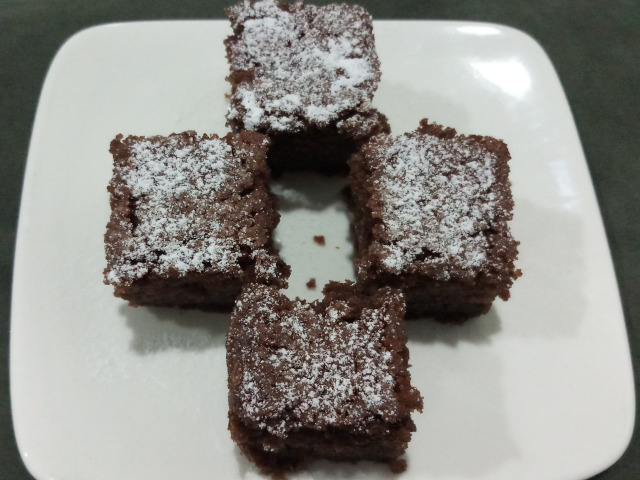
[(399, 465), (319, 239), (311, 284)]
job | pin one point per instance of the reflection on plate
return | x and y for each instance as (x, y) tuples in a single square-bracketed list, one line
[(541, 387)]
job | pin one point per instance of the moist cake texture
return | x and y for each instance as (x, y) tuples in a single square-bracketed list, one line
[(305, 75), (191, 219), (432, 210), (327, 379)]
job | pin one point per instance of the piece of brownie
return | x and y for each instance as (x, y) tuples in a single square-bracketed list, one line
[(327, 379), (431, 213), (191, 219), (304, 75)]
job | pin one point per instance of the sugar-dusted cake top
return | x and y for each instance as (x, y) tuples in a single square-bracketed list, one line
[(294, 364), (185, 203), (436, 196), (299, 65)]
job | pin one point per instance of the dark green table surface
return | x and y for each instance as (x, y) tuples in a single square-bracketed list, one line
[(595, 46)]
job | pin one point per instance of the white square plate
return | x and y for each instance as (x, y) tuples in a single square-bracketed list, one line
[(540, 388)]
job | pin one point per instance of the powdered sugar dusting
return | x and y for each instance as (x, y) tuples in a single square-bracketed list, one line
[(436, 199), (311, 64), (176, 188), (266, 266), (301, 367)]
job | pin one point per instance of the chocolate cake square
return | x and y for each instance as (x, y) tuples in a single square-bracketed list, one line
[(431, 218), (327, 379), (304, 75), (191, 220)]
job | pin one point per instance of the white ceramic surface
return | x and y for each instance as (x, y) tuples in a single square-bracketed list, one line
[(540, 388)]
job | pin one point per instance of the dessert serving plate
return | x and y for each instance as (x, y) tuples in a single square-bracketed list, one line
[(539, 388)]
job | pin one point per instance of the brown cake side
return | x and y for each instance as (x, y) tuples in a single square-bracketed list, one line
[(304, 75), (432, 210), (328, 379), (191, 219)]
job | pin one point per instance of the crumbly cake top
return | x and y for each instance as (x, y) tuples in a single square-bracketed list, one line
[(299, 65), (294, 364), (435, 195), (177, 205)]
